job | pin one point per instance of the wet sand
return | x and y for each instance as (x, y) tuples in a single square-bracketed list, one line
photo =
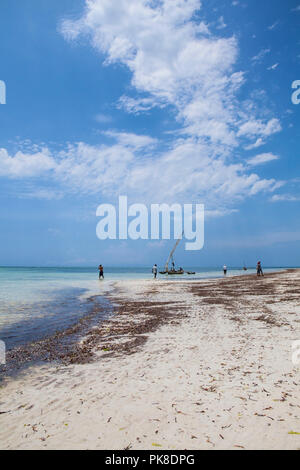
[(180, 365)]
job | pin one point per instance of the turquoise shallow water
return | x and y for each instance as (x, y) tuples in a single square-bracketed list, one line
[(36, 302)]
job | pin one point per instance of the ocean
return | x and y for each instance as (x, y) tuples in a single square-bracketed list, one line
[(37, 302)]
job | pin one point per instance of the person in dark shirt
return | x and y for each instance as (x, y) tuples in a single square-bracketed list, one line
[(100, 269), (259, 270)]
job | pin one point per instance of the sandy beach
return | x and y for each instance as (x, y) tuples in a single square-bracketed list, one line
[(180, 365)]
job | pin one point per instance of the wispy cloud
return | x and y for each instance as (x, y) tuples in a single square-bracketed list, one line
[(273, 26), (258, 143), (139, 105), (23, 165), (221, 23), (258, 128), (122, 168), (259, 57), (41, 193), (103, 118), (177, 63), (262, 158), (284, 198), (133, 141)]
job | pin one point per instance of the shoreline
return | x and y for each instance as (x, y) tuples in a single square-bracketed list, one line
[(62, 346), (167, 367), (74, 344)]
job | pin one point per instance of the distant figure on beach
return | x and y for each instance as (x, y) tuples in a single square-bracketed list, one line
[(154, 270), (225, 269), (100, 269), (259, 269)]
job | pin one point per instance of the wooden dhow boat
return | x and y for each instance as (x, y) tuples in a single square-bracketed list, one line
[(174, 271)]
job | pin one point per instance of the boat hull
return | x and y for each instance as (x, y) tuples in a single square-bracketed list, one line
[(172, 272)]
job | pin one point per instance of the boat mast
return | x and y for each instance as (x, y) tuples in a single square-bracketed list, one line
[(172, 252)]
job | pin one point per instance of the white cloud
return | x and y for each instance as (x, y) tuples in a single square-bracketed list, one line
[(266, 186), (273, 67), (273, 26), (131, 140), (202, 28), (23, 165), (260, 55), (258, 143), (131, 165), (221, 23), (88, 169), (284, 197), (172, 59), (138, 105), (103, 118), (259, 128), (211, 214), (262, 158), (41, 193), (173, 62)]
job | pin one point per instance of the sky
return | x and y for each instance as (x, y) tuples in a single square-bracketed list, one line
[(164, 101)]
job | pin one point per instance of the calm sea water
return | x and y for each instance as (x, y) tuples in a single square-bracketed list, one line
[(36, 302)]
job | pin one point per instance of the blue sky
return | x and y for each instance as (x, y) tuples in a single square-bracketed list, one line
[(163, 101)]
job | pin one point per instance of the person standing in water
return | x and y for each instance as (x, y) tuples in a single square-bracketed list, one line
[(100, 269), (154, 270), (225, 269), (259, 270)]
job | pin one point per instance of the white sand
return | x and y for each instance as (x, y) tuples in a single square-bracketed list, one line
[(208, 382)]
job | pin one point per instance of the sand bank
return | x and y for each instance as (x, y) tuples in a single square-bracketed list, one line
[(181, 365)]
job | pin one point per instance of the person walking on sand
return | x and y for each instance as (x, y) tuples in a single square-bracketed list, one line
[(100, 269), (225, 269), (259, 270), (154, 271)]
